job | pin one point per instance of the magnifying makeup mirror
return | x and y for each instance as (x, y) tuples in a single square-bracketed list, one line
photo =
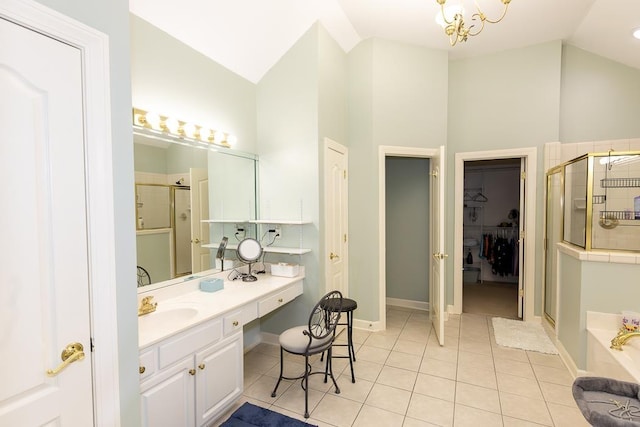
[(249, 251)]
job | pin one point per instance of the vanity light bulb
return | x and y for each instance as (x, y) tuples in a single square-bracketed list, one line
[(189, 130), (154, 120), (173, 125), (232, 140), (219, 137), (204, 134)]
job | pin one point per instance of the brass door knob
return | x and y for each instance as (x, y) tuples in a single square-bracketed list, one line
[(142, 369), (332, 256), (71, 353), (196, 241)]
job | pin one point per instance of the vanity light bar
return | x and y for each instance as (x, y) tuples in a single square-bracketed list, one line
[(181, 129)]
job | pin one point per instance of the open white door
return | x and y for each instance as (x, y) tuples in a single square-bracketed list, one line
[(200, 255), (436, 284), (521, 219)]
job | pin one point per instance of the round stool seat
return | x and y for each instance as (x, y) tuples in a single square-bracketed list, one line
[(347, 305)]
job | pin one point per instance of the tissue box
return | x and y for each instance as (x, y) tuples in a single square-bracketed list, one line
[(284, 269), (211, 285)]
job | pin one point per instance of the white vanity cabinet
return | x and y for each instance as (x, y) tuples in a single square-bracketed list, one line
[(190, 374), (196, 388)]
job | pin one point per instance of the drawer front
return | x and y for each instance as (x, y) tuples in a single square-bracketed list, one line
[(148, 363), (180, 346), (279, 299), (236, 320)]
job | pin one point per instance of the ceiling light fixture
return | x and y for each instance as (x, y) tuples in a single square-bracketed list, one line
[(180, 129), (455, 27)]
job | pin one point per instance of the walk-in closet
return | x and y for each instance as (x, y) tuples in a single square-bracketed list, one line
[(491, 262)]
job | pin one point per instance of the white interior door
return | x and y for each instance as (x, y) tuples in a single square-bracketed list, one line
[(336, 205), (521, 220), (436, 284), (44, 285), (200, 256)]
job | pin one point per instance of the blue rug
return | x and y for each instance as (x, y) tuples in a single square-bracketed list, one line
[(249, 415)]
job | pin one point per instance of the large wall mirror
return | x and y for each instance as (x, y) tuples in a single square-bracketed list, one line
[(189, 196)]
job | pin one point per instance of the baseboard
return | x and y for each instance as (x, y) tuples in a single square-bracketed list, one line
[(367, 325), (407, 303), (564, 354), (269, 338)]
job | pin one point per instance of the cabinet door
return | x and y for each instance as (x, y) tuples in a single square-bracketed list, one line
[(168, 399), (219, 378)]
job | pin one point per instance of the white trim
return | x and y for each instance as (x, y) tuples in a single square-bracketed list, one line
[(367, 325), (407, 303), (94, 46), (383, 152), (530, 154)]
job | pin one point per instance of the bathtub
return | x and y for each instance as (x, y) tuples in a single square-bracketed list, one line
[(603, 361)]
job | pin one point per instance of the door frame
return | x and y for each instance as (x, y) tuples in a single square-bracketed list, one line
[(385, 151), (94, 48), (530, 156)]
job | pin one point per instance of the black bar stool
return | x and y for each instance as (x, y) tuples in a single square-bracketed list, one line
[(348, 306)]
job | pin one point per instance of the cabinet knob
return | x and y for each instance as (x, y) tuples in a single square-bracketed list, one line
[(196, 240), (192, 371), (235, 323), (201, 366), (332, 256), (142, 369), (280, 300)]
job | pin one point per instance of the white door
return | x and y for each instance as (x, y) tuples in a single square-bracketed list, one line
[(44, 285), (436, 284), (336, 206), (200, 257), (521, 219)]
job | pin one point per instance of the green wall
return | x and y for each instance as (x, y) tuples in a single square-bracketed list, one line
[(505, 100), (600, 98), (591, 286), (397, 96), (293, 117), (407, 228), (171, 78)]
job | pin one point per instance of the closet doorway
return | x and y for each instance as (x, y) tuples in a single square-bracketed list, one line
[(491, 267), (494, 212)]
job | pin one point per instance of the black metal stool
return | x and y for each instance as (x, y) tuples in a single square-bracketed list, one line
[(348, 306)]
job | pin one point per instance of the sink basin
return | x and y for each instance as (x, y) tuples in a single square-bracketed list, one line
[(169, 316)]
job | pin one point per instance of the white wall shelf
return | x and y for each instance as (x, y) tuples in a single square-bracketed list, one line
[(290, 251), (227, 221), (279, 221)]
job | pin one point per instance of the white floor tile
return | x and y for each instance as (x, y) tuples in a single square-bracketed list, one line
[(405, 378)]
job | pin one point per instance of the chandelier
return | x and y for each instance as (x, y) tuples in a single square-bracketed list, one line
[(455, 28)]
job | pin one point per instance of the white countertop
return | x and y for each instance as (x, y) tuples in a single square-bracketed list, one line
[(193, 306)]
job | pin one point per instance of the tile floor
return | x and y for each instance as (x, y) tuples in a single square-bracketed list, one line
[(404, 378)]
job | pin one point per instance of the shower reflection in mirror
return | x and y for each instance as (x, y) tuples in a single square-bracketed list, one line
[(178, 185)]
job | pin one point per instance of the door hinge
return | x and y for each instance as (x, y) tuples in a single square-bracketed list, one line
[(523, 175), (344, 174), (522, 235), (521, 293), (345, 238), (91, 344), (434, 173)]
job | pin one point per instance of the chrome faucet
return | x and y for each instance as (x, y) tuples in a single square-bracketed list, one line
[(621, 339), (146, 306)]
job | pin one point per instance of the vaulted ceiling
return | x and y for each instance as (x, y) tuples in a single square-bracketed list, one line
[(250, 36)]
